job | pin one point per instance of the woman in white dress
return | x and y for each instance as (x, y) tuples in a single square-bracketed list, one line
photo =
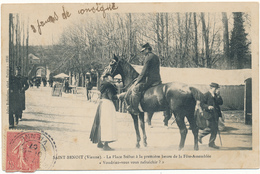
[(104, 126)]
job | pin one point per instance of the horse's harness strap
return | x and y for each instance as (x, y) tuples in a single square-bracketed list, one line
[(117, 62), (156, 83)]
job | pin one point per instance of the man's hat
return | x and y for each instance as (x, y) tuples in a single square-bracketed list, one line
[(147, 45), (214, 85)]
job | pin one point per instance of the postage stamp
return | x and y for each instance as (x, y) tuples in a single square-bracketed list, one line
[(23, 151), (130, 86), (28, 151)]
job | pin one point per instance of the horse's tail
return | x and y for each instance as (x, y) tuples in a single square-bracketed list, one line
[(198, 97), (197, 94)]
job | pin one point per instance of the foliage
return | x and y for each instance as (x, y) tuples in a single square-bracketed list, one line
[(179, 39), (239, 50)]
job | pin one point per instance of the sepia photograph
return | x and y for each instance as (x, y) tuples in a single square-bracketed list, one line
[(130, 86)]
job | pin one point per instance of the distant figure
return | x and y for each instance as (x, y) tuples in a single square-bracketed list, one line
[(31, 83), (37, 82), (44, 81), (25, 86), (50, 82), (211, 112), (88, 88), (66, 85), (104, 127)]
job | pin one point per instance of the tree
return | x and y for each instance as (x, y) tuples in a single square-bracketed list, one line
[(196, 59), (238, 44), (226, 39), (206, 40)]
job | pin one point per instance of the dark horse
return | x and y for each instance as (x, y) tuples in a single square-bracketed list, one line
[(178, 98)]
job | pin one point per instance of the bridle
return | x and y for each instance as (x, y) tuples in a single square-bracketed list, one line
[(114, 68), (115, 65)]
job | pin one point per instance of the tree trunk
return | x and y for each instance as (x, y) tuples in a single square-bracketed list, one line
[(27, 49), (130, 36), (196, 59), (158, 34), (10, 42), (167, 37), (206, 41), (162, 40), (185, 52), (226, 39), (23, 51), (180, 48)]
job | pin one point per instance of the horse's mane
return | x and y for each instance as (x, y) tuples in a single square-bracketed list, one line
[(129, 69)]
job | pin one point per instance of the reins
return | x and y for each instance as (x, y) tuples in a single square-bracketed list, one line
[(113, 71)]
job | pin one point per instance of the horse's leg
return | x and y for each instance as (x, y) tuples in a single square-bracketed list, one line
[(149, 118), (194, 128), (167, 115), (182, 127), (141, 117), (138, 138)]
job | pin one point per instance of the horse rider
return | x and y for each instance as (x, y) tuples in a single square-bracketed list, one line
[(150, 76), (211, 111)]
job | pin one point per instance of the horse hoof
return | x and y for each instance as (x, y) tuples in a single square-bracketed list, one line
[(180, 149), (196, 148), (150, 126), (137, 146), (145, 144)]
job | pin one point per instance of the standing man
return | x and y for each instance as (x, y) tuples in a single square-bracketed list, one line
[(13, 93), (24, 85), (211, 111), (17, 86), (88, 88), (66, 85), (150, 76)]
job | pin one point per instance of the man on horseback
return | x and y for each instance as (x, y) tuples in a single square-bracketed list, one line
[(150, 76)]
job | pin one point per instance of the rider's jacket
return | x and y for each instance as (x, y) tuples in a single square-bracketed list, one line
[(151, 70)]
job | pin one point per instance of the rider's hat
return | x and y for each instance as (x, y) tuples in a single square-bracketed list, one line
[(214, 85), (146, 46)]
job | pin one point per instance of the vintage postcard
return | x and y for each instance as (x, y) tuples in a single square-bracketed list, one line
[(127, 86)]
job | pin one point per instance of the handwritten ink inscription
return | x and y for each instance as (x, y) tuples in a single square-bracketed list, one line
[(98, 8), (51, 19)]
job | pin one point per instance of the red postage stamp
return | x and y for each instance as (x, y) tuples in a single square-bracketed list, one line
[(23, 151)]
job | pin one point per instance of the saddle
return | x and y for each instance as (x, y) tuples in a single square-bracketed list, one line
[(130, 95)]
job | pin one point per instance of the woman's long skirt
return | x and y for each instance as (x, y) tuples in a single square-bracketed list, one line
[(104, 125)]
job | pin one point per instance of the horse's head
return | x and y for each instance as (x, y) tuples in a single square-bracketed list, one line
[(122, 67), (114, 67)]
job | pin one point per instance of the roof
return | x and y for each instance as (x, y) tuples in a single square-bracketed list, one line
[(61, 76), (33, 57), (202, 75)]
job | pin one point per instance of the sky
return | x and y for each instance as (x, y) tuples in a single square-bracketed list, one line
[(50, 33)]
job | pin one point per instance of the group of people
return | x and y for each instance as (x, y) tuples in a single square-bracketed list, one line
[(18, 84), (104, 126), (36, 81)]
